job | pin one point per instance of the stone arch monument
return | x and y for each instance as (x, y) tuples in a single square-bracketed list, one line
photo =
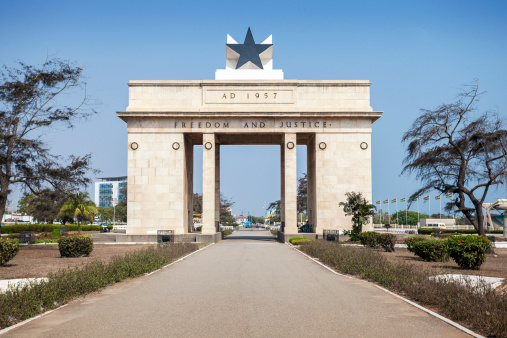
[(249, 102)]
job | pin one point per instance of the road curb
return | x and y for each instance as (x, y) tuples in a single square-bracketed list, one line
[(428, 311), (7, 329)]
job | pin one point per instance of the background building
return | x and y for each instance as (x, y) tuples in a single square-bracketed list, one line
[(109, 190)]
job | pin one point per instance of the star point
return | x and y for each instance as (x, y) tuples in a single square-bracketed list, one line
[(249, 51)]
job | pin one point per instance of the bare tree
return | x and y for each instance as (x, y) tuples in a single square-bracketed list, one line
[(31, 102), (455, 149)]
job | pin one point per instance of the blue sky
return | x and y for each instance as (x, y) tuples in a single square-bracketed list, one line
[(417, 54)]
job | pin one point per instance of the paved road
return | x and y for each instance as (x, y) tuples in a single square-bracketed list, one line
[(245, 286)]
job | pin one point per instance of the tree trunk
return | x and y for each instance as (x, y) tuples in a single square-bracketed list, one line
[(3, 196), (480, 220)]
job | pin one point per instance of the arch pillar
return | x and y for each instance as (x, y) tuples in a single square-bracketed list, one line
[(289, 183)]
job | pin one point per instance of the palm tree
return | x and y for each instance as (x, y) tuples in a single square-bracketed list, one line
[(79, 206)]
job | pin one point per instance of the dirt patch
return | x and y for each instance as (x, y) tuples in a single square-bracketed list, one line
[(40, 260)]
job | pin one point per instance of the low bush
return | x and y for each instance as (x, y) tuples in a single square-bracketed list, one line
[(469, 252), (296, 239), (56, 233), (387, 242), (411, 240), (6, 229), (425, 231), (370, 239), (458, 302), (17, 228), (75, 246), (8, 249), (431, 251), (302, 240), (22, 302), (274, 232), (199, 228), (228, 232)]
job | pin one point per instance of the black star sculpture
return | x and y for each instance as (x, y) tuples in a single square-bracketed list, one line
[(249, 50)]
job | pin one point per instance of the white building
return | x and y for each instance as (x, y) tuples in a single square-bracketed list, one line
[(108, 192)]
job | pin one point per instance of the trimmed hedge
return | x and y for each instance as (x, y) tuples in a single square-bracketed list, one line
[(432, 250), (469, 252), (425, 231), (17, 228), (296, 239), (75, 246), (302, 240), (8, 249)]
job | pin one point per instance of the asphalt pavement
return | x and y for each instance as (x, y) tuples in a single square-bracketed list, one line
[(246, 286)]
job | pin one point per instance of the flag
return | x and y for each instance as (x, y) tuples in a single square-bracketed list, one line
[(437, 197), (415, 199), (378, 202), (386, 201), (393, 201), (403, 200), (449, 195), (426, 198)]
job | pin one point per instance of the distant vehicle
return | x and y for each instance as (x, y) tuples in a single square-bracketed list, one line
[(248, 224), (434, 226)]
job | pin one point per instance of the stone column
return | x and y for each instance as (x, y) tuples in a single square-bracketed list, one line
[(208, 184), (282, 183), (189, 197), (311, 202), (505, 224), (289, 179)]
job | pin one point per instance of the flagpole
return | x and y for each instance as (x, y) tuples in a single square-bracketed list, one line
[(406, 217), (388, 211), (429, 207), (440, 207), (417, 212), (397, 221)]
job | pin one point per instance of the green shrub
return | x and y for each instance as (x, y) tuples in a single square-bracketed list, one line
[(411, 240), (110, 227), (75, 246), (469, 252), (228, 232), (301, 241), (199, 228), (432, 250), (370, 239), (56, 233), (387, 242), (8, 249), (295, 239), (458, 231), (6, 229)]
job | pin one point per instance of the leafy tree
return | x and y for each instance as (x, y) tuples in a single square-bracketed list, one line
[(277, 205), (79, 206), (360, 210), (30, 105), (302, 194), (197, 203), (44, 206), (225, 210), (410, 215), (454, 149)]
